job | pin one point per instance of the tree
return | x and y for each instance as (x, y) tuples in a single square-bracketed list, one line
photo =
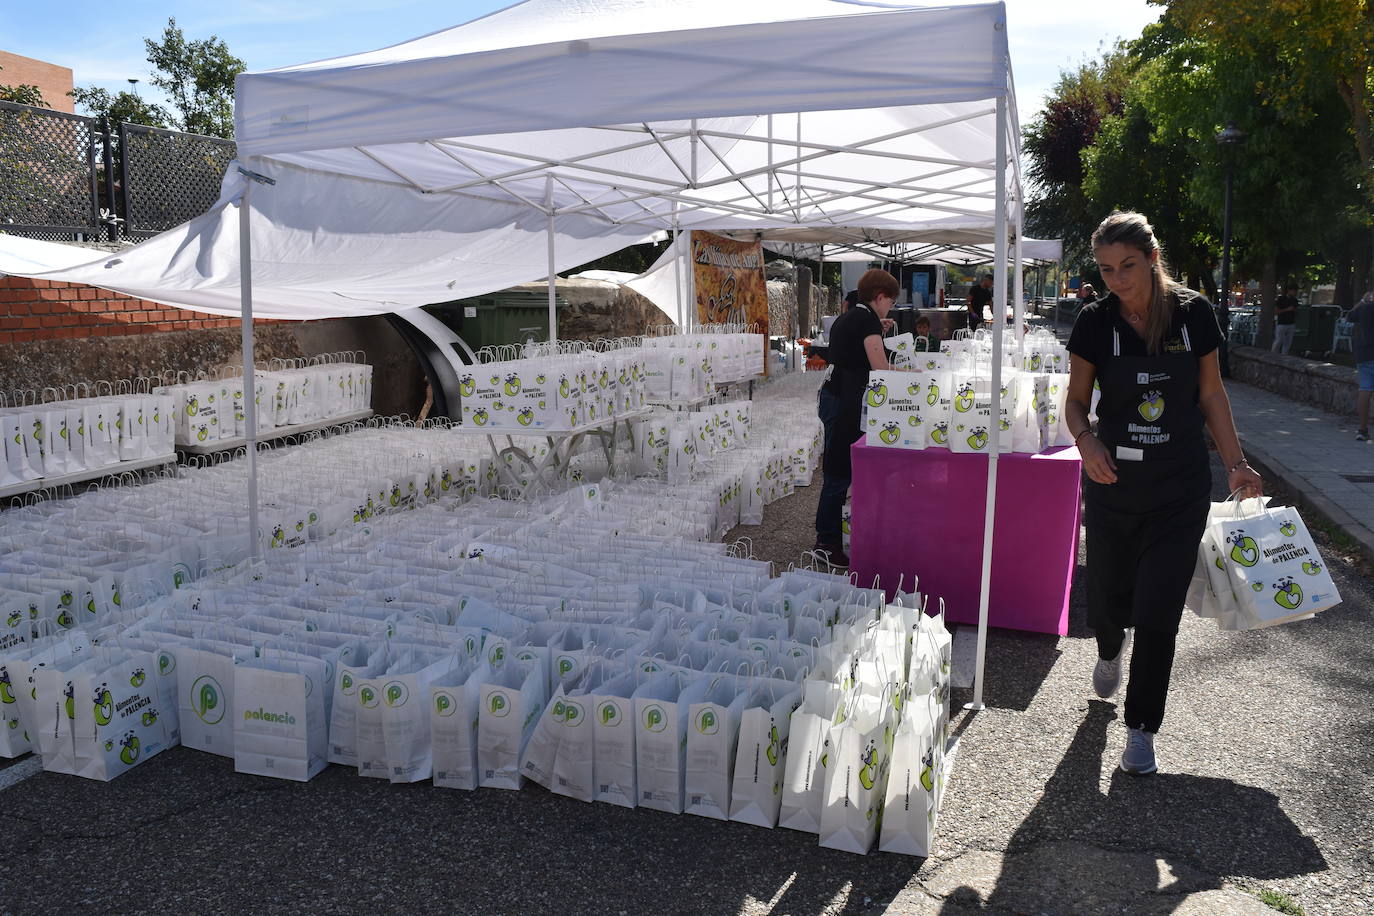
[(23, 94), (198, 77), (1306, 53), (1286, 200), (121, 106), (1054, 143)]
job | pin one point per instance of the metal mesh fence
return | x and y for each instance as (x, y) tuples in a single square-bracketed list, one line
[(47, 172), (168, 177), (53, 183)]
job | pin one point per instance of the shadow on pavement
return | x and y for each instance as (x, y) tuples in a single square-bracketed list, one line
[(1143, 845), (1015, 668)]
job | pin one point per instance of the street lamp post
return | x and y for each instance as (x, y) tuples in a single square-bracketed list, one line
[(1227, 139)]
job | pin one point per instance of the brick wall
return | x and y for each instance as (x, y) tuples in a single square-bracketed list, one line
[(33, 310), (53, 81)]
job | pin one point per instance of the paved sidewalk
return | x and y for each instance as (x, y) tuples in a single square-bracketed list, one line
[(1313, 453)]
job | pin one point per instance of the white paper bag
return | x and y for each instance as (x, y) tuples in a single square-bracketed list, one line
[(511, 703), (761, 758), (454, 703), (856, 781), (280, 727)]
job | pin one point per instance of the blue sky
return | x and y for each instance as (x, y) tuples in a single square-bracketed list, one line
[(103, 42)]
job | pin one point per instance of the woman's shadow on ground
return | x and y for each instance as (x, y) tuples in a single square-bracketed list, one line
[(1143, 845)]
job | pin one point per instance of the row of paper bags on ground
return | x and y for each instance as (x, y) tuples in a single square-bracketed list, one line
[(1258, 566), (815, 755), (66, 437)]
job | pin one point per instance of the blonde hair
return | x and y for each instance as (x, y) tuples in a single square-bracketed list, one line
[(1134, 231)]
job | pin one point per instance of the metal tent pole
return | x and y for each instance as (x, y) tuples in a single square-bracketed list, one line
[(1018, 293), (553, 276), (998, 326), (250, 388)]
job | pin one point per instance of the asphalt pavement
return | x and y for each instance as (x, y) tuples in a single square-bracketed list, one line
[(1265, 791)]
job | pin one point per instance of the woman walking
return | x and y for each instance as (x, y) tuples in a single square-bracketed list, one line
[(1150, 345)]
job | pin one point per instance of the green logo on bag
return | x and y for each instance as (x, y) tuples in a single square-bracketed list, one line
[(1311, 567), (396, 694), (1288, 529), (444, 705), (104, 705), (654, 718), (707, 722), (565, 664), (499, 705), (207, 699), (346, 684), (572, 714), (166, 663), (608, 714), (1288, 594), (1244, 550), (129, 745), (367, 697)]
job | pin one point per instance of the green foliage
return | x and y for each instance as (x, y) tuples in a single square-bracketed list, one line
[(1282, 71), (121, 106), (1054, 144), (198, 76)]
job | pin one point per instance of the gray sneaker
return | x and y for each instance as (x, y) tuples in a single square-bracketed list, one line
[(1139, 757), (1107, 673)]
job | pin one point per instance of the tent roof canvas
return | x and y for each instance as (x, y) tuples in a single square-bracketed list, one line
[(434, 169)]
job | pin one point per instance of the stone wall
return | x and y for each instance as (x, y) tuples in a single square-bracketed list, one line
[(596, 309), (1325, 385), (398, 383)]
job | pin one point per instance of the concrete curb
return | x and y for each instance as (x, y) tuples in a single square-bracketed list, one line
[(1309, 497)]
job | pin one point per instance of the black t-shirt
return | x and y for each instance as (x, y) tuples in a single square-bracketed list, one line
[(1362, 317), (1284, 302), (979, 297), (1092, 331), (847, 353)]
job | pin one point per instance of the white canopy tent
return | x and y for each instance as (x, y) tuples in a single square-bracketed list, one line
[(556, 131)]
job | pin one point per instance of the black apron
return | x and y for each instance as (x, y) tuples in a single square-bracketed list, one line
[(847, 385), (1143, 530)]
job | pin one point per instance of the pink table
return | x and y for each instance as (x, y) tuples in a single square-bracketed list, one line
[(921, 512)]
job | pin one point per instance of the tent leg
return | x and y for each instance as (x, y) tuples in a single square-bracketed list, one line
[(1018, 295), (250, 412), (999, 323), (553, 276)]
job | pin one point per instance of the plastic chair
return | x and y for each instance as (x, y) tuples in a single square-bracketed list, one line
[(1343, 330)]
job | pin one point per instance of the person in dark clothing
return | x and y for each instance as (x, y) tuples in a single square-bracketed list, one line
[(851, 299), (1285, 319), (1151, 345), (1086, 295), (979, 297), (856, 347)]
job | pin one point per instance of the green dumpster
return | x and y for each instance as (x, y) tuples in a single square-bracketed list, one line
[(508, 317), (1315, 329)]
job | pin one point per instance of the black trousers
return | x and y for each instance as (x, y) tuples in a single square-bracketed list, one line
[(1143, 533)]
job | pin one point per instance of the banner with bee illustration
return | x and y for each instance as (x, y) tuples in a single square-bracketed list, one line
[(729, 282)]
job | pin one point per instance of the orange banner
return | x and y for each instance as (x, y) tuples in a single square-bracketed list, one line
[(730, 284)]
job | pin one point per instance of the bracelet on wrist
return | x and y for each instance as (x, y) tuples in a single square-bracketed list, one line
[(1086, 432), (1242, 463)]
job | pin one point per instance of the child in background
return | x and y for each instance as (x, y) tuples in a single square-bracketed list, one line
[(925, 343)]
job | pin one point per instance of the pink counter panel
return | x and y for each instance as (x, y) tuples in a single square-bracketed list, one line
[(921, 512)]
